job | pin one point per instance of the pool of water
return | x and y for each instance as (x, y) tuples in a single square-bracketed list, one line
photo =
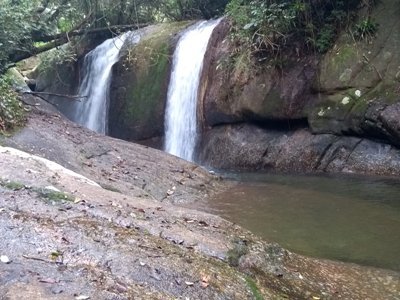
[(342, 218)]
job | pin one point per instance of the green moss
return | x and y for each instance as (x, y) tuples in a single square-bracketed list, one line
[(12, 185), (150, 63), (54, 196), (254, 288), (145, 95)]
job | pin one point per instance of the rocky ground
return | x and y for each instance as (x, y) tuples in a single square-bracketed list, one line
[(85, 216)]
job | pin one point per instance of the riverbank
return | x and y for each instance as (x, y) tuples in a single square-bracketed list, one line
[(118, 231)]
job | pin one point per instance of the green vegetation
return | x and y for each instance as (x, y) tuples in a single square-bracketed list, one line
[(254, 288), (365, 29), (30, 27), (150, 61), (266, 29), (11, 185), (53, 196), (261, 27), (11, 109)]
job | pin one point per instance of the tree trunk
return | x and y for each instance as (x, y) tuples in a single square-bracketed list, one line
[(62, 38)]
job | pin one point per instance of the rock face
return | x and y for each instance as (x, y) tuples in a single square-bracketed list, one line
[(347, 102), (234, 96), (98, 221), (140, 84), (248, 147)]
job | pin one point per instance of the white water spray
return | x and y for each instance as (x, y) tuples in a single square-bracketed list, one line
[(181, 114), (92, 111)]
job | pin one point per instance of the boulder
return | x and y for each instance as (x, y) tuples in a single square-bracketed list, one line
[(237, 94), (140, 84), (360, 79), (249, 147)]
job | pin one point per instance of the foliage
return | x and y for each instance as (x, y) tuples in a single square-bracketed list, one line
[(11, 109), (365, 29), (26, 23), (15, 27), (270, 26), (11, 185), (54, 58)]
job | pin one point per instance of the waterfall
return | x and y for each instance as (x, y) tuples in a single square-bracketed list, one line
[(91, 112), (181, 115)]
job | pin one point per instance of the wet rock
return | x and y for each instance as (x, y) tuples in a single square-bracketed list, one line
[(136, 110), (248, 147), (231, 96)]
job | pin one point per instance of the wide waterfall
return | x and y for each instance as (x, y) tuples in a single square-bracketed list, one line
[(181, 117), (97, 66)]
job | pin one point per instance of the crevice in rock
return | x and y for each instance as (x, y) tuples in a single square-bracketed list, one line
[(353, 149), (324, 152), (283, 125)]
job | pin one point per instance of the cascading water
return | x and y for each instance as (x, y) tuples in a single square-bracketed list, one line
[(181, 116), (92, 111)]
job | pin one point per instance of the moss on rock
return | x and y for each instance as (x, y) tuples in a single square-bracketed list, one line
[(140, 84)]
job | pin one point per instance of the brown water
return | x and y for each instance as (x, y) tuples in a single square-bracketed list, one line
[(347, 219)]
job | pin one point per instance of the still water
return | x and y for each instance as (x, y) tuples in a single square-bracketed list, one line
[(341, 218)]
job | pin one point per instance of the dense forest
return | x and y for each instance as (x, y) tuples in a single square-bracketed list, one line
[(259, 27)]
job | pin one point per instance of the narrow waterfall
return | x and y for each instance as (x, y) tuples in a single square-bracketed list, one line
[(181, 118), (97, 66)]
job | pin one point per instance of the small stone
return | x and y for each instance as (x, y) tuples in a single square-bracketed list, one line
[(52, 188), (346, 100), (82, 297), (4, 259), (57, 290)]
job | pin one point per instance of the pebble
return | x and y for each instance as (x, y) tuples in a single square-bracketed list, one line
[(4, 259)]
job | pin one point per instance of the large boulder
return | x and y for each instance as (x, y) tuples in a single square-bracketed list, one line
[(249, 147), (359, 81), (342, 92), (140, 84), (235, 93)]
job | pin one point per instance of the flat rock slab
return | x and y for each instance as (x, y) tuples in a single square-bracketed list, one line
[(68, 234)]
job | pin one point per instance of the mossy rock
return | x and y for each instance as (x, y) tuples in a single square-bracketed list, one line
[(140, 84), (371, 66)]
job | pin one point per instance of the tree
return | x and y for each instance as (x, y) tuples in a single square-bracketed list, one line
[(32, 26)]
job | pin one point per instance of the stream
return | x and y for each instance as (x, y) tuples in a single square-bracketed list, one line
[(343, 218)]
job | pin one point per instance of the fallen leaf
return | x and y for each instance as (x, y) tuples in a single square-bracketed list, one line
[(205, 281)]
